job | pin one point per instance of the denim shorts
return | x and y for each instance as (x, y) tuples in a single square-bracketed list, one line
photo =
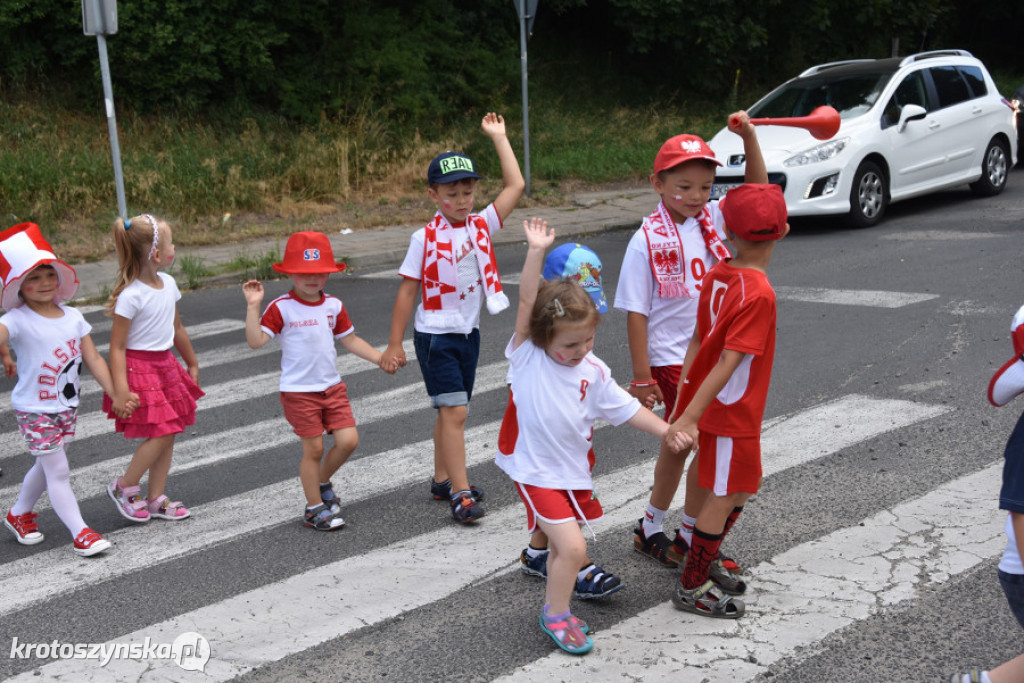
[(448, 364), (1013, 586)]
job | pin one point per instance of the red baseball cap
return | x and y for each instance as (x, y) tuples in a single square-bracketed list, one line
[(755, 212), (682, 148), (308, 252)]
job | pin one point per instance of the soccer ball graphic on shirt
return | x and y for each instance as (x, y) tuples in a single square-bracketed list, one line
[(67, 384)]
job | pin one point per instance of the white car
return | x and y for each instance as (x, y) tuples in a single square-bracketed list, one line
[(909, 126)]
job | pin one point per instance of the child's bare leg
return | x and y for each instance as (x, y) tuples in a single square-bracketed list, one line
[(345, 442), (716, 509), (567, 554), (668, 470), (309, 469), (451, 430), (1008, 672), (146, 455), (159, 471), (696, 495), (538, 539), (440, 471)]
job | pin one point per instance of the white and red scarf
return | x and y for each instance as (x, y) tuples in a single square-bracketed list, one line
[(665, 247), (441, 273)]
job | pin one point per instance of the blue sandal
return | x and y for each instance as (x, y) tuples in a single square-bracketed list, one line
[(567, 633)]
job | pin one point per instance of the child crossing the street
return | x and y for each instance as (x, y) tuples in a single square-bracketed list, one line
[(727, 372), (306, 322), (146, 324), (559, 388), (51, 341), (661, 278), (451, 265)]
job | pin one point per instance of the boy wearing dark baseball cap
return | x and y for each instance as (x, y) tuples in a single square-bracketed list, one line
[(451, 266), (721, 404)]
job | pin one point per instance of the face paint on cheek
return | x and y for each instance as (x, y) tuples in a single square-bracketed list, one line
[(446, 202), (677, 197)]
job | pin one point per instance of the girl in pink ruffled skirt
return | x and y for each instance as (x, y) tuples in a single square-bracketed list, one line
[(146, 325)]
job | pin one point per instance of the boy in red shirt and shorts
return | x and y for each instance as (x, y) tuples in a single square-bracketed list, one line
[(728, 368)]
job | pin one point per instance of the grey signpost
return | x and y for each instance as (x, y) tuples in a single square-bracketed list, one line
[(99, 18), (527, 10)]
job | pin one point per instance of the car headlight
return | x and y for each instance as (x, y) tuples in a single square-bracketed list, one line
[(822, 152)]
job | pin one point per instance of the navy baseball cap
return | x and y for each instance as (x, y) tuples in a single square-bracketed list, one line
[(450, 167)]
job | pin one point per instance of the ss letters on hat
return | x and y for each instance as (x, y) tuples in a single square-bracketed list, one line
[(22, 249)]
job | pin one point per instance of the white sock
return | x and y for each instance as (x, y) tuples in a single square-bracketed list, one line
[(654, 520), (534, 553), (583, 572), (31, 488), (58, 486), (686, 528)]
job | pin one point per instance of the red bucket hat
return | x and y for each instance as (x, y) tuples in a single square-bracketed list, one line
[(308, 252), (22, 249)]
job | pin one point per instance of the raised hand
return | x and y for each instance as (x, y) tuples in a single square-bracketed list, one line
[(493, 125), (537, 235)]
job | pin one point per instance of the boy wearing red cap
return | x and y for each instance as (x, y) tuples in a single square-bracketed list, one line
[(306, 322), (450, 264), (727, 369), (659, 282)]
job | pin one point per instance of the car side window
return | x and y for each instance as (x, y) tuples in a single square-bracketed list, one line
[(949, 85), (910, 91), (975, 79)]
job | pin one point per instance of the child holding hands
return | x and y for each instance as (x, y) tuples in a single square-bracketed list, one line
[(306, 322), (144, 305), (559, 388), (451, 264), (51, 342)]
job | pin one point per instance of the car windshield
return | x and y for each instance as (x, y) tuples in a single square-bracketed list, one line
[(851, 95)]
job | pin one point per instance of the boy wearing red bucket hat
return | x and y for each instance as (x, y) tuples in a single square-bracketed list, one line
[(728, 368), (661, 277), (51, 342), (306, 322)]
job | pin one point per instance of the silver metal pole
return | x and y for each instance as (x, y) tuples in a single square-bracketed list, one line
[(526, 107), (108, 100)]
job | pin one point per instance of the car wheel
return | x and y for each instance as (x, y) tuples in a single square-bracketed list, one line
[(868, 196), (994, 168)]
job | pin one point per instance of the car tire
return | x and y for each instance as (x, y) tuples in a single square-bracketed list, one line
[(868, 196), (995, 166)]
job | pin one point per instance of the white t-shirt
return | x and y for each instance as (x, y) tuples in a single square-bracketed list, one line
[(556, 406), (670, 322), (1010, 561), (306, 332), (471, 288), (49, 353), (151, 312)]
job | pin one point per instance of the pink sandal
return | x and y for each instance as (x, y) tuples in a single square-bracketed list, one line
[(128, 501), (164, 508)]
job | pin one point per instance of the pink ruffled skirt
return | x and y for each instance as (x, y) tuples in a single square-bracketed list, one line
[(167, 396)]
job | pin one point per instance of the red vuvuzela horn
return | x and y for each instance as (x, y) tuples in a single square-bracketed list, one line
[(822, 123)]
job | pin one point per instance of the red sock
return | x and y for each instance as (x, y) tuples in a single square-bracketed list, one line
[(703, 551)]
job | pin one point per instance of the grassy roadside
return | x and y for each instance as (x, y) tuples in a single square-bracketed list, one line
[(233, 178)]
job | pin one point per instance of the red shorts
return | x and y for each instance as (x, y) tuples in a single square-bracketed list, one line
[(555, 506), (729, 464), (667, 377), (311, 413)]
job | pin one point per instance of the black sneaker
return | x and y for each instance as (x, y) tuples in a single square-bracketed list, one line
[(321, 519), (465, 509), (443, 490), (329, 498)]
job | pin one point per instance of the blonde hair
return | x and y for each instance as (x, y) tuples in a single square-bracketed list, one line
[(560, 302), (134, 240)]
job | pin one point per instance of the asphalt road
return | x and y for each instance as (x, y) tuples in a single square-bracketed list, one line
[(887, 338)]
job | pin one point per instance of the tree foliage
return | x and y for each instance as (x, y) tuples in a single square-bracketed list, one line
[(428, 60)]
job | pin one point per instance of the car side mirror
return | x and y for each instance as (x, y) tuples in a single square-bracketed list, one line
[(911, 112)]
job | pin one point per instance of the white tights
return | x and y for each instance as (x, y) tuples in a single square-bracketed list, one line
[(51, 474)]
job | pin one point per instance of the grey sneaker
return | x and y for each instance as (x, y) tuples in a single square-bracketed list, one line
[(321, 519)]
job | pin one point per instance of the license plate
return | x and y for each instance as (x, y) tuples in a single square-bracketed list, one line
[(718, 190)]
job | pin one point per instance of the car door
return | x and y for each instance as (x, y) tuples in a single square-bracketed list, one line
[(915, 153), (958, 119)]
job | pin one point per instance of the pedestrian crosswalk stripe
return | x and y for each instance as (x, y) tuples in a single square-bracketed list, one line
[(450, 557), (851, 297), (197, 331), (806, 593)]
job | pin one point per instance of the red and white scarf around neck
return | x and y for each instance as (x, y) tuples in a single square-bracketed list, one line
[(440, 284), (665, 247)]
